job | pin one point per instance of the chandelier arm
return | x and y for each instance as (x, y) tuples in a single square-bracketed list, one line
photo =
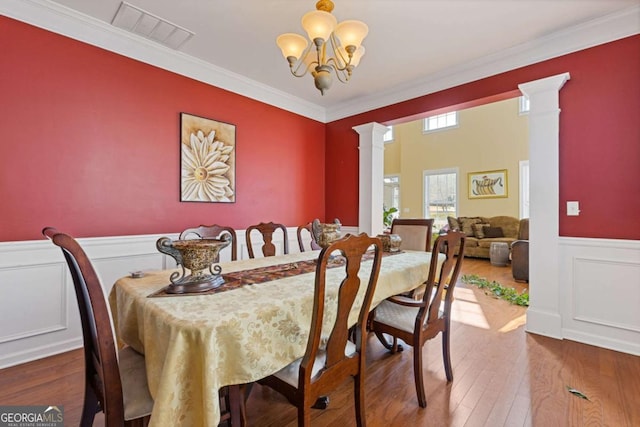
[(297, 73), (339, 57), (335, 65), (343, 76), (295, 68)]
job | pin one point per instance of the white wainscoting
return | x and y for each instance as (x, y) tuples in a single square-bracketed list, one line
[(38, 310), (600, 289), (600, 292)]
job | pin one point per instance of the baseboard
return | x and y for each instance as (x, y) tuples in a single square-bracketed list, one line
[(29, 355), (544, 323), (603, 341)]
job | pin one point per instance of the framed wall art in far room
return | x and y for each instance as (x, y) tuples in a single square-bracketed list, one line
[(488, 184), (207, 160)]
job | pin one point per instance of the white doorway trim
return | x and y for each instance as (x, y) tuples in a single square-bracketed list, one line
[(543, 315), (525, 199)]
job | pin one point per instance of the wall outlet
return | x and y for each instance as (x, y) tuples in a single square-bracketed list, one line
[(573, 208)]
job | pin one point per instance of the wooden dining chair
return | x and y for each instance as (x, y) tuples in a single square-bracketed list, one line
[(267, 230), (213, 232), (416, 235), (300, 232), (114, 384), (323, 368), (416, 322)]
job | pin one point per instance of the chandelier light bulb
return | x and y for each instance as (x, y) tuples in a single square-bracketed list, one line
[(351, 32), (291, 45), (319, 24)]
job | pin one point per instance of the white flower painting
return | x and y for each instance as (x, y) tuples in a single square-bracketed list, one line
[(208, 160)]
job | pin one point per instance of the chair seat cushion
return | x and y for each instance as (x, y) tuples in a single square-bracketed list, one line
[(137, 401), (289, 373), (398, 316)]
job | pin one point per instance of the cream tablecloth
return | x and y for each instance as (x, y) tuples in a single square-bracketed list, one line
[(194, 345)]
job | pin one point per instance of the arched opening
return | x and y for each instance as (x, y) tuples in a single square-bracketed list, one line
[(543, 315)]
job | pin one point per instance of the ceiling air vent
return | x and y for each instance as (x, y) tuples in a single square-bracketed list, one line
[(147, 25)]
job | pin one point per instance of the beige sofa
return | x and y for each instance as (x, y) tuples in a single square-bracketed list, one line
[(482, 231)]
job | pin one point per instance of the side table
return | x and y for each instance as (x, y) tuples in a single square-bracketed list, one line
[(499, 254)]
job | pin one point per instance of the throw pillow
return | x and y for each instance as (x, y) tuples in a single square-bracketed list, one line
[(493, 232), (453, 223), (478, 230), (466, 225)]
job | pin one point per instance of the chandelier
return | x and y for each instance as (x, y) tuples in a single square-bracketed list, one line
[(338, 46)]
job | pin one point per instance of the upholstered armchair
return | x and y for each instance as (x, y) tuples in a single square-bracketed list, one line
[(520, 253)]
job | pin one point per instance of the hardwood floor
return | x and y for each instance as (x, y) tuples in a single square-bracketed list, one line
[(502, 377)]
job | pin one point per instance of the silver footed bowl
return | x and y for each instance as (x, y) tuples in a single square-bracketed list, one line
[(197, 255)]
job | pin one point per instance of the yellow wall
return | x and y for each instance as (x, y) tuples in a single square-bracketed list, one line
[(489, 137)]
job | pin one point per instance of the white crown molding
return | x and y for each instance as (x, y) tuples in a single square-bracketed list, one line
[(62, 20), (67, 22), (602, 30)]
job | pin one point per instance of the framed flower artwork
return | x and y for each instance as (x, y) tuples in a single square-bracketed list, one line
[(207, 160)]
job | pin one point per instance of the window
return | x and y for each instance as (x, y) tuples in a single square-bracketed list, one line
[(440, 200), (441, 121), (392, 193), (388, 135), (524, 105)]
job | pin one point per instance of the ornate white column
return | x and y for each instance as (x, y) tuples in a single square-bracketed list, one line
[(544, 316), (371, 176)]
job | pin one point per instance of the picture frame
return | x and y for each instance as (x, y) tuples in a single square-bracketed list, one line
[(207, 160), (488, 184)]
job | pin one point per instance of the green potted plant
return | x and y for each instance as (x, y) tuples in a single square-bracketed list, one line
[(387, 216)]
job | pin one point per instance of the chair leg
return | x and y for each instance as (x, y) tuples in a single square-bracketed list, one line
[(358, 391), (391, 346), (446, 352), (304, 416), (417, 373), (90, 406), (236, 406)]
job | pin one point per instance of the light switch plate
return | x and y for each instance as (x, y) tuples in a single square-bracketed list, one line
[(573, 208)]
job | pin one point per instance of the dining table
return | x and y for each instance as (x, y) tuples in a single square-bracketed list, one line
[(195, 344)]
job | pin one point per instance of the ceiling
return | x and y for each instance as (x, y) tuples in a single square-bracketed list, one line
[(409, 41)]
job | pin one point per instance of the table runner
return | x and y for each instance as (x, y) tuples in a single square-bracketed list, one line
[(266, 274)]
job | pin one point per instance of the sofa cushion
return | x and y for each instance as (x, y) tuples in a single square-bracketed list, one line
[(493, 232), (466, 225), (453, 223), (478, 230), (509, 225), (471, 242)]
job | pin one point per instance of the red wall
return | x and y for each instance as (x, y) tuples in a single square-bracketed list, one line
[(89, 143), (599, 137)]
